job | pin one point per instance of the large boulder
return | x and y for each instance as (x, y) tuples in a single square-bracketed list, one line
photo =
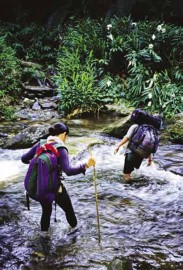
[(176, 131), (27, 137), (118, 128), (172, 131), (39, 115), (117, 110)]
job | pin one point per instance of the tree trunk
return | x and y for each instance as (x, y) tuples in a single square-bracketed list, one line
[(59, 15), (120, 8)]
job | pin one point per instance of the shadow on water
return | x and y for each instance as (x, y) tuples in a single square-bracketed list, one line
[(141, 222)]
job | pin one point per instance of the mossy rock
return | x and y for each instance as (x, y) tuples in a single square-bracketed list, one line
[(118, 128), (77, 145), (176, 133)]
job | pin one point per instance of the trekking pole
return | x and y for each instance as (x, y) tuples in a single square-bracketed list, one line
[(96, 198)]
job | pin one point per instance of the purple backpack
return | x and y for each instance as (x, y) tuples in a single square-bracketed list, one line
[(42, 179), (144, 141), (140, 117)]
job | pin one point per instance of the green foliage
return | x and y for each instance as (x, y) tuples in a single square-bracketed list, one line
[(75, 81), (155, 69), (9, 70), (156, 94), (32, 42), (99, 62), (10, 75), (81, 79), (6, 111), (30, 74), (176, 133), (119, 59), (78, 84)]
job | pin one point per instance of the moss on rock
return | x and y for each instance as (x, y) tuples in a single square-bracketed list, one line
[(176, 133), (118, 128)]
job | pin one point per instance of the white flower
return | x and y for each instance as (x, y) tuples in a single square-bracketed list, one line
[(164, 105), (134, 24), (163, 30), (130, 63), (149, 104), (109, 26), (159, 27), (151, 46), (150, 95), (153, 37), (110, 36), (109, 83)]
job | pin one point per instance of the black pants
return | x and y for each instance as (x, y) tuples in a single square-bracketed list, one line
[(63, 200), (132, 161)]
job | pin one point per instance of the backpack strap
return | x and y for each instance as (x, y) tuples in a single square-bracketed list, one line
[(47, 147), (136, 130), (42, 141), (52, 147), (27, 201), (60, 145), (55, 219)]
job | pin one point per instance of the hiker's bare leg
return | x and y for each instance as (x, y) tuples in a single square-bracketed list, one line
[(127, 176), (132, 161)]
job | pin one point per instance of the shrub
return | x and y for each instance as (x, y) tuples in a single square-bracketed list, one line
[(9, 70), (78, 85), (32, 42), (104, 61), (154, 67), (81, 78), (10, 76)]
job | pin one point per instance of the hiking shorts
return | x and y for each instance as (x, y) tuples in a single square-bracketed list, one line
[(132, 161)]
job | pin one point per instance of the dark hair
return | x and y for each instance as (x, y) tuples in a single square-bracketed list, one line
[(58, 128)]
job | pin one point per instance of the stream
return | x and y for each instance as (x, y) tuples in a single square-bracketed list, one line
[(141, 222)]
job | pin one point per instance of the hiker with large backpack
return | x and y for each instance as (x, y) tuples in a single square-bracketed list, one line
[(142, 139), (47, 160)]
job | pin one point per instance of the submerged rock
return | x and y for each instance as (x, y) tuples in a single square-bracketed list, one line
[(120, 264)]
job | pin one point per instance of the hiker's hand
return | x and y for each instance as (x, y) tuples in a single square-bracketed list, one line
[(116, 150), (91, 162), (149, 163)]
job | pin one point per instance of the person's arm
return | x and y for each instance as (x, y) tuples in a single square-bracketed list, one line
[(73, 170), (123, 141), (30, 154), (127, 137), (149, 160)]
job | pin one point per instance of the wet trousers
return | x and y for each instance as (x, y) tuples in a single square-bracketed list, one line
[(132, 161), (63, 200)]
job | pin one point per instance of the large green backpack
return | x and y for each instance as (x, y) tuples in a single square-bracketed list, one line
[(42, 178)]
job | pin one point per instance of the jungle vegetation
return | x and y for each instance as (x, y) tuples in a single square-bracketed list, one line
[(100, 54)]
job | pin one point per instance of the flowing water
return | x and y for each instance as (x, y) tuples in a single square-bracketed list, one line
[(141, 222)]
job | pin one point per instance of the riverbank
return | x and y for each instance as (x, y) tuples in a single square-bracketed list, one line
[(112, 120)]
